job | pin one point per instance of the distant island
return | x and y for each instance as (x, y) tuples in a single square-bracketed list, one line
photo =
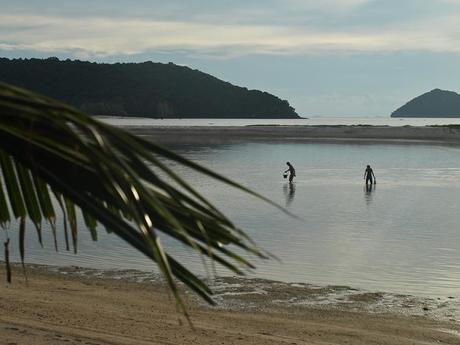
[(145, 89), (436, 103)]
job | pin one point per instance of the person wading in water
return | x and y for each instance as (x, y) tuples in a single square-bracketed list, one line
[(291, 171), (369, 176)]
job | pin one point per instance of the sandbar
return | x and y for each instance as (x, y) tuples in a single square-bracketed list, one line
[(362, 133)]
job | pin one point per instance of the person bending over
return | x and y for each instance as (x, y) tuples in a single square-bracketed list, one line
[(291, 171)]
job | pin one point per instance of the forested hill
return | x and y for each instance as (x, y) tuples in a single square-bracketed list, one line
[(141, 89), (436, 103)]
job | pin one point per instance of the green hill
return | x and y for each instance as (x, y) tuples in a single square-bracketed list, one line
[(436, 103), (141, 89)]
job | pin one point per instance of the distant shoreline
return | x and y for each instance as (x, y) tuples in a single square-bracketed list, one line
[(363, 133)]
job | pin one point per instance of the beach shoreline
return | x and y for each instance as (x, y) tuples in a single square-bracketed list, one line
[(60, 306), (338, 133)]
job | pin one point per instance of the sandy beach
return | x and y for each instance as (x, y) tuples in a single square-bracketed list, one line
[(57, 308), (449, 134)]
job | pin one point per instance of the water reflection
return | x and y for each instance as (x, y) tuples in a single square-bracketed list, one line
[(289, 192), (369, 190), (404, 239)]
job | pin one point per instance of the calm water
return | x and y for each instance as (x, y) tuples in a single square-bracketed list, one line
[(402, 236), (374, 121)]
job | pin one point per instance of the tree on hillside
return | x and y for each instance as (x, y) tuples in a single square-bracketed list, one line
[(145, 89)]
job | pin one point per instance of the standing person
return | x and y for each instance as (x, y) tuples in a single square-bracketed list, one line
[(291, 171), (369, 175)]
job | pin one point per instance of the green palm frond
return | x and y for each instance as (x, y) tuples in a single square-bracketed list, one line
[(49, 150)]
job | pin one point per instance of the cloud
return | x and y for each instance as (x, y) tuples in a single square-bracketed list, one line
[(108, 36), (325, 5)]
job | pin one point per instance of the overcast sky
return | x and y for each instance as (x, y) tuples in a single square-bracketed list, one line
[(326, 57)]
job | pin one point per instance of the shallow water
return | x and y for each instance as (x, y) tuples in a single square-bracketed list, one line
[(403, 236)]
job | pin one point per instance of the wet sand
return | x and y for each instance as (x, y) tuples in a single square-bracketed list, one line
[(57, 308), (449, 134)]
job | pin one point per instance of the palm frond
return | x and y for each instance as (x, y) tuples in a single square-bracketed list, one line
[(118, 180)]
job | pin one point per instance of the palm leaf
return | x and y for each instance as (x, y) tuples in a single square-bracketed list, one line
[(118, 180)]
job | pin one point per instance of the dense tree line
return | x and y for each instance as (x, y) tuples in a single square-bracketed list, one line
[(141, 89)]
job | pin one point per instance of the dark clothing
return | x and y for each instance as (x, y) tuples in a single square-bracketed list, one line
[(369, 174), (291, 173)]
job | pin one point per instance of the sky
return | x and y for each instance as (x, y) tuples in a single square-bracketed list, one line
[(327, 57)]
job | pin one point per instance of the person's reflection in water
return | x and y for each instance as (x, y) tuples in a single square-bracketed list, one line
[(369, 189), (289, 192)]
